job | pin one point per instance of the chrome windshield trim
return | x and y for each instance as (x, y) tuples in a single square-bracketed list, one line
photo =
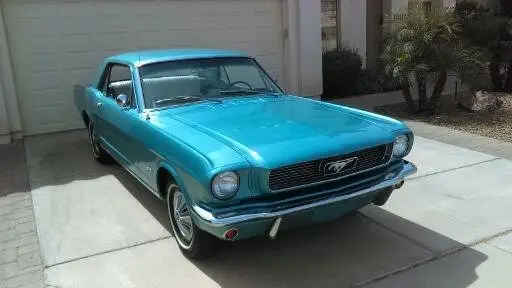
[(334, 179), (407, 170)]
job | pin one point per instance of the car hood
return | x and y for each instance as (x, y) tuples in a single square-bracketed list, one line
[(271, 131)]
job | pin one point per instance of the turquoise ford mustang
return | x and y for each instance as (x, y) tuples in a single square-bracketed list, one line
[(230, 152)]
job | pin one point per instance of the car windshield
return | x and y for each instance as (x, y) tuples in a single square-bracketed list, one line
[(186, 81)]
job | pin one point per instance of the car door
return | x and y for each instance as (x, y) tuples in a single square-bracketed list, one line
[(118, 121)]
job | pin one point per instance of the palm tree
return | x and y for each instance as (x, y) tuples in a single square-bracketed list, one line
[(423, 45), (489, 28)]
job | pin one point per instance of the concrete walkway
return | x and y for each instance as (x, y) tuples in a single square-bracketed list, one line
[(449, 226)]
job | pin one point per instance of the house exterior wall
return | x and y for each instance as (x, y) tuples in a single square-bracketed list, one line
[(374, 32), (310, 45), (10, 121), (353, 25), (303, 47)]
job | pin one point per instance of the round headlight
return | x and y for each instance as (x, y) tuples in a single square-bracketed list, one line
[(225, 185), (400, 146)]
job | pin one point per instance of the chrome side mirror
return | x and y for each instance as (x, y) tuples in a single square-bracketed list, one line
[(122, 100)]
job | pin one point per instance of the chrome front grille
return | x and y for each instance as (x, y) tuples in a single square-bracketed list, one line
[(315, 171)]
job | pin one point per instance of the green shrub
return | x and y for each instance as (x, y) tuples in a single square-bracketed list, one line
[(368, 83), (343, 76), (341, 72)]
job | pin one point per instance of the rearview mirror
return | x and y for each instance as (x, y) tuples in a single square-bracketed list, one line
[(122, 100)]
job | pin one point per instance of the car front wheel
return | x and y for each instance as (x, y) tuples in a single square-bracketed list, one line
[(97, 151), (193, 242)]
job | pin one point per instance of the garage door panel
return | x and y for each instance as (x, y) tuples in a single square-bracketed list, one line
[(39, 82), (56, 44), (50, 117), (76, 42), (79, 61)]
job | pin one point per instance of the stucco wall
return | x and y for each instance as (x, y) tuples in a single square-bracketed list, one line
[(5, 135), (399, 6), (303, 47), (310, 47), (374, 32), (353, 24), (10, 121)]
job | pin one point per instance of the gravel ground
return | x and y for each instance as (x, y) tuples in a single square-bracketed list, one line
[(497, 125)]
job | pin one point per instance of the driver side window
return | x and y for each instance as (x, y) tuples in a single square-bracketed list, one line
[(119, 81)]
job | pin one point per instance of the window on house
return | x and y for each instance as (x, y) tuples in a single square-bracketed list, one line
[(330, 27), (427, 7)]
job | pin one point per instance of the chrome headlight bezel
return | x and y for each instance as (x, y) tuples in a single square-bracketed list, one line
[(225, 185), (400, 146)]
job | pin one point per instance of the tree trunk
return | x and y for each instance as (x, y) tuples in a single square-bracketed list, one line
[(422, 93), (442, 77), (494, 74), (508, 83), (406, 91)]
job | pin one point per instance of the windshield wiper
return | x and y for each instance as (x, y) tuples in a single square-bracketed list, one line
[(249, 92), (185, 99)]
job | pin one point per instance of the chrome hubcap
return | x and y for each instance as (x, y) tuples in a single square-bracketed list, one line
[(182, 216), (94, 141)]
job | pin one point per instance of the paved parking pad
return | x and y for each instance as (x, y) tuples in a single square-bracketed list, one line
[(503, 242), (433, 157), (59, 157), (331, 255), (83, 208), (99, 228), (85, 217), (466, 205), (458, 271)]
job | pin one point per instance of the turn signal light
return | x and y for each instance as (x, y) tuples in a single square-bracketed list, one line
[(231, 234)]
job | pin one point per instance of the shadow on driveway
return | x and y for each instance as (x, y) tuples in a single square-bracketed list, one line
[(346, 252), (13, 169), (341, 253)]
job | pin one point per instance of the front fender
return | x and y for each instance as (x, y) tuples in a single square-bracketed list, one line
[(193, 190), (174, 173)]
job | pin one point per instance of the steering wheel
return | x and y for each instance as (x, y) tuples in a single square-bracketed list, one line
[(239, 82)]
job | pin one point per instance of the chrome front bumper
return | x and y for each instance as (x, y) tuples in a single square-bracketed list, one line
[(407, 170)]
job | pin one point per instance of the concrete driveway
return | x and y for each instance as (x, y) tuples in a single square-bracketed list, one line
[(447, 227)]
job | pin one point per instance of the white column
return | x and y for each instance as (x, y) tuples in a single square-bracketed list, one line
[(10, 121), (353, 25), (5, 132), (303, 47), (311, 47)]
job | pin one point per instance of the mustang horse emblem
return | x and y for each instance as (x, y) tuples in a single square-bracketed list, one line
[(337, 167)]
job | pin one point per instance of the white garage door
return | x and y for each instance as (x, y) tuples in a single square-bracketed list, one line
[(55, 44)]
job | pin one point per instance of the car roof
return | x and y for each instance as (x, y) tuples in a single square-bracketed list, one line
[(139, 58)]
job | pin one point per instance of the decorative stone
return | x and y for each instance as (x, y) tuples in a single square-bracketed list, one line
[(482, 101)]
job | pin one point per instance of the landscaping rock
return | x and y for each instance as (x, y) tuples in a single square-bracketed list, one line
[(497, 125), (481, 101)]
